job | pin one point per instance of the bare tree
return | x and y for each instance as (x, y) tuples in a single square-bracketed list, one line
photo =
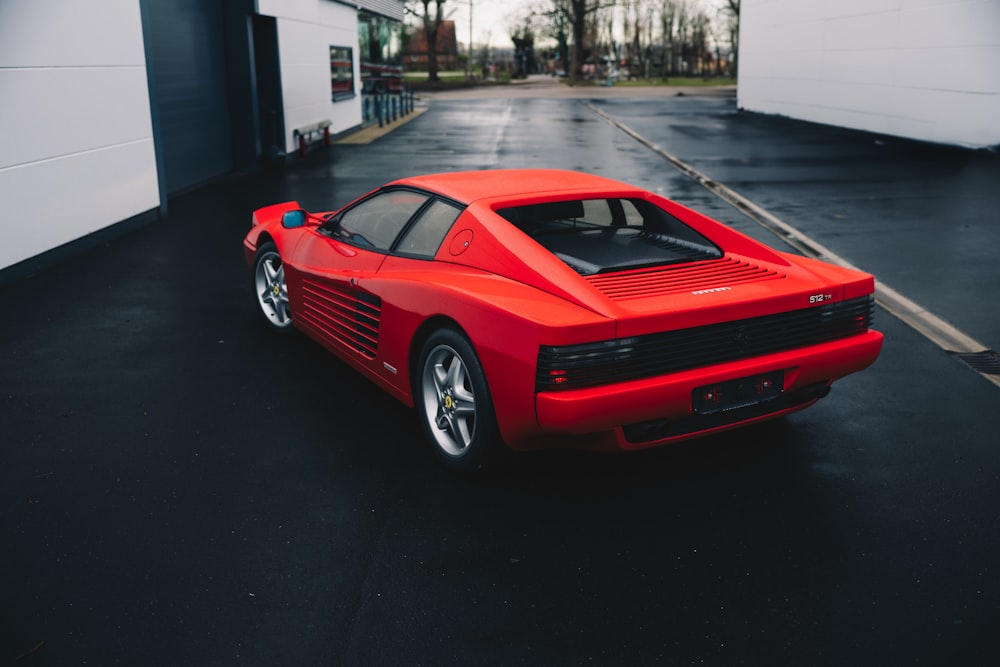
[(731, 12), (577, 13), (649, 23), (682, 26), (681, 47), (431, 15), (522, 34), (668, 17), (637, 27), (684, 33), (698, 51), (600, 38)]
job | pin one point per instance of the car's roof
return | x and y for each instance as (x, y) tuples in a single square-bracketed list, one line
[(469, 186)]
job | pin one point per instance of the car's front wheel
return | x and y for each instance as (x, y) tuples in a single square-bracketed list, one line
[(270, 288), (454, 403)]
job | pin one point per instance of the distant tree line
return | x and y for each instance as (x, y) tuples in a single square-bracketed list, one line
[(636, 38)]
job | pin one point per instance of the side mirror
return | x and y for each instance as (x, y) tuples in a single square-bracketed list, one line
[(293, 219)]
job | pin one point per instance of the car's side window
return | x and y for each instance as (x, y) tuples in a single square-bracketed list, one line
[(424, 237), (376, 222)]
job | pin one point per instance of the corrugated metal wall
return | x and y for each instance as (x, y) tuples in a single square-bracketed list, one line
[(390, 8), (190, 90)]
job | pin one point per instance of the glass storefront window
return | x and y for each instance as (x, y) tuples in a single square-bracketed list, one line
[(341, 72)]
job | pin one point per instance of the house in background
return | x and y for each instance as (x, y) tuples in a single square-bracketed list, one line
[(447, 49)]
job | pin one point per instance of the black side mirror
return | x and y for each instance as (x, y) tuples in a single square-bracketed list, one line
[(293, 219)]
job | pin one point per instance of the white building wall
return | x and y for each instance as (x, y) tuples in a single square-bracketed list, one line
[(923, 69), (306, 31), (76, 142)]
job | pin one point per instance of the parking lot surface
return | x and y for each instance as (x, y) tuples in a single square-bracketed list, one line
[(179, 486)]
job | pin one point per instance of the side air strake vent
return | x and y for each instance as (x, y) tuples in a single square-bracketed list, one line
[(345, 315)]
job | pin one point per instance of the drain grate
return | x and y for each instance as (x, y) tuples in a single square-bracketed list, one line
[(987, 361)]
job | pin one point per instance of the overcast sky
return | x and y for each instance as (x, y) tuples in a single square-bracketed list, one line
[(489, 20)]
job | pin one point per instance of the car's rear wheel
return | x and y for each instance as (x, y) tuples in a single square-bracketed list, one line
[(453, 399), (270, 288)]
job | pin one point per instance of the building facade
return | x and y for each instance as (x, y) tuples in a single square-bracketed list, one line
[(921, 69), (107, 112)]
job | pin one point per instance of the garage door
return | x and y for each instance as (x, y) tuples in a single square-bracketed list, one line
[(187, 46)]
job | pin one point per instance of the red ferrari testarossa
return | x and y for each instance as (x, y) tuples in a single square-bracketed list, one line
[(539, 308)]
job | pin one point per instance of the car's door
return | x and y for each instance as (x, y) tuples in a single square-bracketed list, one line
[(333, 263)]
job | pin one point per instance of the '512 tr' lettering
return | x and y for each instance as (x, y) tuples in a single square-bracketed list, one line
[(820, 298)]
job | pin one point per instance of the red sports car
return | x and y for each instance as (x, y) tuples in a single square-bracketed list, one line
[(539, 308)]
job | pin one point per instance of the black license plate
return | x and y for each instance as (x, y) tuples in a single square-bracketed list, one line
[(736, 394)]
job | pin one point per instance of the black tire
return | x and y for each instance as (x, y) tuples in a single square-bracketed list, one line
[(454, 404), (270, 291)]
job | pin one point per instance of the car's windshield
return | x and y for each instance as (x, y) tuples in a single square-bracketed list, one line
[(610, 234)]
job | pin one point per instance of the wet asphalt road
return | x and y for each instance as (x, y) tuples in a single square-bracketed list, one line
[(181, 487)]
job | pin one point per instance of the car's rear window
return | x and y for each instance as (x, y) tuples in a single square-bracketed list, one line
[(610, 234)]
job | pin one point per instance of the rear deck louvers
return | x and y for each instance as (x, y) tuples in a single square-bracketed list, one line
[(677, 279)]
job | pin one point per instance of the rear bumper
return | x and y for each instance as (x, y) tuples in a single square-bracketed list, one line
[(633, 415)]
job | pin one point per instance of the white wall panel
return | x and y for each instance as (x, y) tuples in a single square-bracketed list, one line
[(798, 37), (863, 32), (304, 51), (306, 11), (932, 69), (853, 7), (862, 67), (64, 110), (949, 23), (924, 69), (77, 149), (57, 33), (50, 202)]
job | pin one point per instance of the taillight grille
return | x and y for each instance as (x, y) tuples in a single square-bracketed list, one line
[(638, 357)]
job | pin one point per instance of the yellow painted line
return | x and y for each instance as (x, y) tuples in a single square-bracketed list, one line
[(369, 134), (941, 333)]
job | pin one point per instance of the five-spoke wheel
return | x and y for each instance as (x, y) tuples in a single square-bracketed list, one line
[(270, 289), (454, 402)]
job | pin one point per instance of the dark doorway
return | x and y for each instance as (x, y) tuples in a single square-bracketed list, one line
[(270, 106)]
